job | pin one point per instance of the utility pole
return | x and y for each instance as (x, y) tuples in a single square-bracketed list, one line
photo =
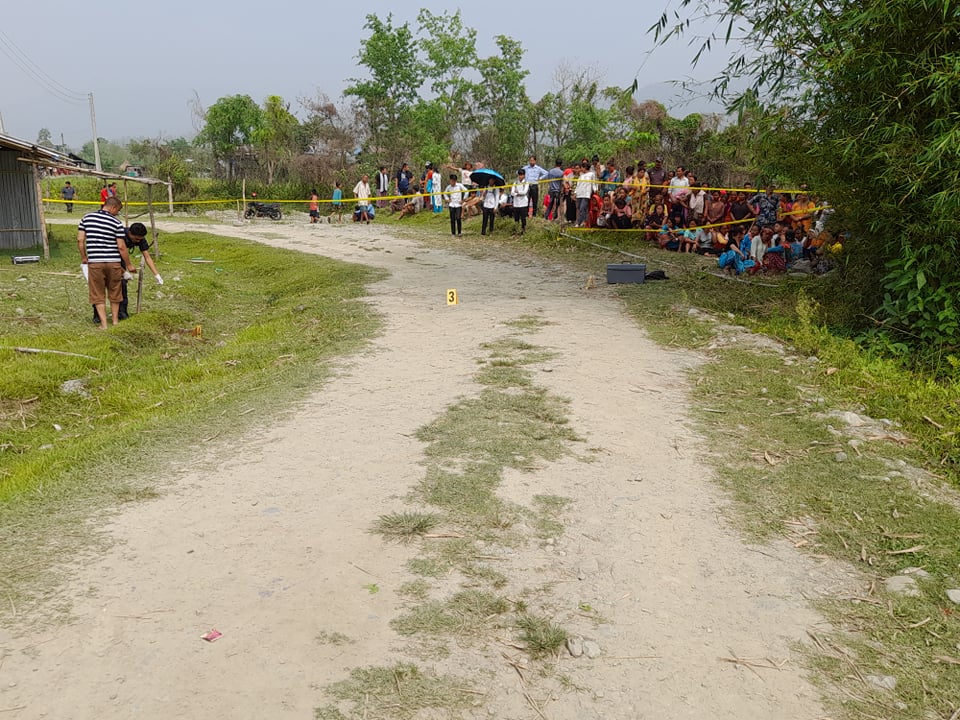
[(1, 124), (96, 143)]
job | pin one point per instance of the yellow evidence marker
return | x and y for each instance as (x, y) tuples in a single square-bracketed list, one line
[(452, 297)]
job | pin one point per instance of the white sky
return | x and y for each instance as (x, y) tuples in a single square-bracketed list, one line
[(143, 61)]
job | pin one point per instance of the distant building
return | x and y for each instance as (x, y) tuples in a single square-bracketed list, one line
[(21, 218)]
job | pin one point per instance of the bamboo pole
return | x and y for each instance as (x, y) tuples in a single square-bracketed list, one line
[(43, 219), (126, 218), (169, 195)]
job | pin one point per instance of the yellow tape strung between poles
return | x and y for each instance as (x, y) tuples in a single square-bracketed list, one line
[(425, 195)]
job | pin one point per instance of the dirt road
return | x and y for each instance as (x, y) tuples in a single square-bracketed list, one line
[(267, 539)]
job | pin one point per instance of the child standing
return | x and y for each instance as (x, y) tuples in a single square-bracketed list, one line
[(520, 193), (314, 206), (336, 206), (491, 200), (455, 191)]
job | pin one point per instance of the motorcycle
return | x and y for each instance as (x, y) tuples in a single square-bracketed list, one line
[(260, 209)]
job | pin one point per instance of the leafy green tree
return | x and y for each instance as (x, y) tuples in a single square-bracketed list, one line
[(861, 99), (112, 155), (231, 123), (276, 139), (503, 106), (451, 52), (44, 138), (395, 77)]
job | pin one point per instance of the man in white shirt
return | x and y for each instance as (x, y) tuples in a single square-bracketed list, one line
[(362, 192), (584, 190), (455, 191), (520, 192), (679, 182)]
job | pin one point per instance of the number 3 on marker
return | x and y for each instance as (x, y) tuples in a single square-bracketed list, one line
[(452, 298)]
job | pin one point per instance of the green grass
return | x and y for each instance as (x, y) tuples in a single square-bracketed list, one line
[(405, 526), (467, 614), (270, 322), (541, 635), (397, 692)]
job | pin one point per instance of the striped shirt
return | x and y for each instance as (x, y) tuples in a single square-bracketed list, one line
[(102, 232)]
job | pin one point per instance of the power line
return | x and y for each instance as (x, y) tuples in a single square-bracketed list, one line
[(34, 71)]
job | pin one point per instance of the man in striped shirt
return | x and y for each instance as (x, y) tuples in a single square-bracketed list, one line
[(102, 246)]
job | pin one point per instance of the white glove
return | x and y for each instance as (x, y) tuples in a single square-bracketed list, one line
[(127, 275), (85, 270), (159, 279)]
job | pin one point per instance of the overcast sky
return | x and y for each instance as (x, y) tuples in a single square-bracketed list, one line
[(143, 61)]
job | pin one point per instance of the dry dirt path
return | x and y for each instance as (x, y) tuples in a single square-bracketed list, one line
[(266, 538)]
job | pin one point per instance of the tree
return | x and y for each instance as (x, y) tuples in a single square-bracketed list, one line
[(861, 99), (503, 105), (231, 123), (396, 74), (451, 51), (276, 138), (44, 138)]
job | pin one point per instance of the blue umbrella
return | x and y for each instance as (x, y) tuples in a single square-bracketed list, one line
[(482, 177)]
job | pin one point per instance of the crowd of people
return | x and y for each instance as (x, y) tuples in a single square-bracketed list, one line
[(746, 229)]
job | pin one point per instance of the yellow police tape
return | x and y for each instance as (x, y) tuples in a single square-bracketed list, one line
[(572, 180)]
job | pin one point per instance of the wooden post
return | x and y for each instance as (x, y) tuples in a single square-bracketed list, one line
[(243, 192), (170, 194), (153, 222), (125, 216), (43, 219)]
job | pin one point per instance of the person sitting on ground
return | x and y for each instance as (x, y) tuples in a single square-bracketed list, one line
[(734, 260), (688, 238), (669, 237), (620, 216), (657, 214), (606, 208), (706, 241), (760, 243)]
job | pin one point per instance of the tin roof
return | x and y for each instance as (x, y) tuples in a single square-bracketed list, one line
[(37, 151)]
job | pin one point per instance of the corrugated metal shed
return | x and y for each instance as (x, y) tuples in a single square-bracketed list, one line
[(21, 225)]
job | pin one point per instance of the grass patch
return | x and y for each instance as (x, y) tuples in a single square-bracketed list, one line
[(510, 423), (405, 526), (527, 323), (271, 320), (541, 635), (546, 514), (333, 638), (415, 589), (396, 692), (484, 574), (468, 612)]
